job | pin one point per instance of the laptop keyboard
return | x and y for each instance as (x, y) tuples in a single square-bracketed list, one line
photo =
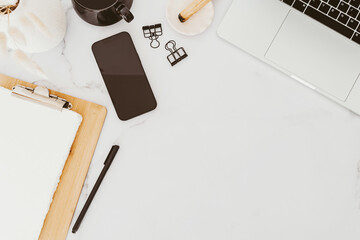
[(341, 16)]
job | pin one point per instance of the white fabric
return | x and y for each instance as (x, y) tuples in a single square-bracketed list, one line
[(34, 144), (7, 2), (41, 23)]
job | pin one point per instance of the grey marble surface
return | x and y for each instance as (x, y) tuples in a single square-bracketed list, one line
[(235, 149)]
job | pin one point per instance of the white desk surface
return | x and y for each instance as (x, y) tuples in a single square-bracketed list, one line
[(235, 149)]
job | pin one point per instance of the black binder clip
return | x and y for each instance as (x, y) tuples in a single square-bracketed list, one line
[(176, 55), (153, 32)]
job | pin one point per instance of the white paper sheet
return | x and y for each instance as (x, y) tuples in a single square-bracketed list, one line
[(35, 142)]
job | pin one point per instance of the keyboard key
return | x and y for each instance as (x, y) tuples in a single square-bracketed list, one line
[(356, 38), (299, 5), (334, 3), (315, 3), (353, 23), (355, 3), (343, 7), (324, 8), (306, 1), (343, 18), (352, 12), (334, 13), (331, 23), (289, 2), (347, 1), (358, 28)]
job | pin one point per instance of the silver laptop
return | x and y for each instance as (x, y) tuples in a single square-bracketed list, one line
[(316, 42)]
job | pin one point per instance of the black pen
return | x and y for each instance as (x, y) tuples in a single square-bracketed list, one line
[(107, 164)]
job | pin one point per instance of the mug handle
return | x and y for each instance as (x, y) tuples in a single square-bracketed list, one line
[(125, 13)]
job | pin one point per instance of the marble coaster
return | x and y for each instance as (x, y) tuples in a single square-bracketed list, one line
[(197, 24)]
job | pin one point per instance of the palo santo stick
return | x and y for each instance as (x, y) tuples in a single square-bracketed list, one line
[(193, 8)]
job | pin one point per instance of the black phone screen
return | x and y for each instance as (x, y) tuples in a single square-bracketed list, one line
[(124, 76)]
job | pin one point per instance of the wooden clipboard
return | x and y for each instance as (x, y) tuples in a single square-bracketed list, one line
[(58, 219)]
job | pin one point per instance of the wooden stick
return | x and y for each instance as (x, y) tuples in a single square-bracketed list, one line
[(193, 8)]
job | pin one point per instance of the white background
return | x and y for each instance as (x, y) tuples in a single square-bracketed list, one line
[(235, 149)]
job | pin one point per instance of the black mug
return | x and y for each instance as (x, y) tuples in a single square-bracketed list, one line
[(103, 12)]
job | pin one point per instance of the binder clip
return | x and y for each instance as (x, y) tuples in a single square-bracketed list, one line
[(176, 55), (153, 32)]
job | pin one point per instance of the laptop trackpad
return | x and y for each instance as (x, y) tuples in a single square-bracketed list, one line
[(316, 54)]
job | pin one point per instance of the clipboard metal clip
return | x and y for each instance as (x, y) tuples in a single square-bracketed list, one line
[(41, 95)]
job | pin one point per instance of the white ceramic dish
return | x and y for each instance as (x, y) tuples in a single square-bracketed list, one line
[(197, 24)]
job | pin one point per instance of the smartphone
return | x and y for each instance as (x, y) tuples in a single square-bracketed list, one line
[(124, 76)]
